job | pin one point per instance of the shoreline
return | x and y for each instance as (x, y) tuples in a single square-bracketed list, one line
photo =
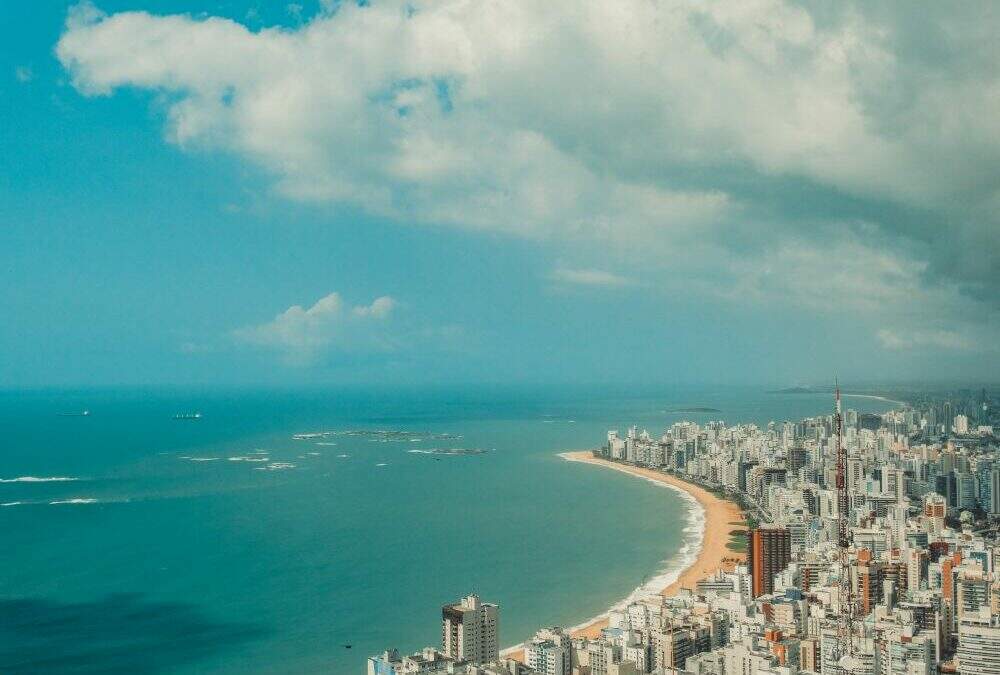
[(717, 517), (878, 398)]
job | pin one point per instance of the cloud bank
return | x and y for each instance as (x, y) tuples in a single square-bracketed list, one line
[(831, 158)]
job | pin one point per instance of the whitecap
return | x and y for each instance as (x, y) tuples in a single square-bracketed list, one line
[(36, 479), (382, 464), (76, 500), (11, 503)]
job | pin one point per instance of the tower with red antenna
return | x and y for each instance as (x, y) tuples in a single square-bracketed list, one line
[(845, 632)]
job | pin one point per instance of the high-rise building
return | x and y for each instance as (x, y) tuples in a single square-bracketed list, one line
[(967, 490), (935, 506), (995, 490), (961, 425), (769, 550), (469, 630), (973, 592), (550, 652), (797, 458), (979, 646)]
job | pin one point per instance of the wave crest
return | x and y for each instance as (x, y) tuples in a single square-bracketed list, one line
[(37, 479)]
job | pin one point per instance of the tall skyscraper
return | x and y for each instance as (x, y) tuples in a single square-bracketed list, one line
[(995, 490), (469, 630), (769, 550)]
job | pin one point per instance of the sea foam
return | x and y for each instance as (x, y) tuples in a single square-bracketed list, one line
[(670, 569), (77, 500), (36, 479)]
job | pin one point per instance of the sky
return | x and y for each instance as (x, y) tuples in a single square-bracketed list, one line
[(403, 193)]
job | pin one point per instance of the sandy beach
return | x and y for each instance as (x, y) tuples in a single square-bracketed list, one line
[(721, 516), (878, 398)]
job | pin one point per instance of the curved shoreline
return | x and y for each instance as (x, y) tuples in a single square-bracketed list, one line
[(711, 516), (900, 404)]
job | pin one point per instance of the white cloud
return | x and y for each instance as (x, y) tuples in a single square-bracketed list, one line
[(589, 277), (24, 74), (948, 340), (379, 309), (661, 130), (301, 334), (532, 104)]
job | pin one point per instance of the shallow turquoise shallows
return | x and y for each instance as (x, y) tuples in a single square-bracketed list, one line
[(226, 545)]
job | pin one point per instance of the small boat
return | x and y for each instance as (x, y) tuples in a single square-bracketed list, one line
[(82, 413), (188, 416)]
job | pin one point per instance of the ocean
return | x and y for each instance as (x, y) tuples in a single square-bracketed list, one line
[(299, 531)]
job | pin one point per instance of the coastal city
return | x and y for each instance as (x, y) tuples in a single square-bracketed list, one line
[(503, 337), (845, 544)]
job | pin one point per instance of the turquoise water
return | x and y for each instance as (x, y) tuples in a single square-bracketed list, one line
[(220, 566)]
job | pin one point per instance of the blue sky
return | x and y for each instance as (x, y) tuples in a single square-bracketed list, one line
[(221, 192)]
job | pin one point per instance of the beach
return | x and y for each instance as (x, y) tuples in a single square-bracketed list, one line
[(873, 397), (721, 516)]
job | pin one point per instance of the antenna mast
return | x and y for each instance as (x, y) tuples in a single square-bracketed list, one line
[(846, 624)]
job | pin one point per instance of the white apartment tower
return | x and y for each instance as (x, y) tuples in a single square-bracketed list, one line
[(995, 490), (979, 645), (961, 425), (469, 630), (550, 652)]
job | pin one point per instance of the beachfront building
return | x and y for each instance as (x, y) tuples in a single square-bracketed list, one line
[(469, 639), (469, 630), (425, 662), (550, 652)]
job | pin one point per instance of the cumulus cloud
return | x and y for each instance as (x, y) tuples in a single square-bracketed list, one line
[(736, 146), (302, 334), (379, 309), (589, 277)]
